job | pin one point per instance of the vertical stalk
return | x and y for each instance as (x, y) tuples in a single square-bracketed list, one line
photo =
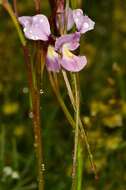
[(76, 141), (82, 132), (38, 140), (63, 105), (68, 88), (35, 96), (81, 128), (36, 113), (80, 165)]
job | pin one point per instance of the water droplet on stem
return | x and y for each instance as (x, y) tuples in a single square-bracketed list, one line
[(31, 114), (41, 91)]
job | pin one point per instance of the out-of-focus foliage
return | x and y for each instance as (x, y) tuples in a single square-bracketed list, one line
[(103, 106)]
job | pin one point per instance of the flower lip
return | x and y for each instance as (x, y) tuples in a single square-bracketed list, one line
[(73, 63)]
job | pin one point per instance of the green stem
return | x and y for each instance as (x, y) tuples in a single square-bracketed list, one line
[(76, 141), (70, 119), (68, 88), (82, 130), (9, 9), (80, 166), (60, 100)]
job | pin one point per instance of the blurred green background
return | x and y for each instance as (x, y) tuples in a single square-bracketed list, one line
[(103, 106)]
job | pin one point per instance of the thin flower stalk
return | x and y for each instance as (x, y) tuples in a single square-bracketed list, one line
[(76, 140), (81, 127), (80, 165), (70, 119), (68, 88), (62, 104)]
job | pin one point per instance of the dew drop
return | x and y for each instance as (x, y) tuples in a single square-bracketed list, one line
[(36, 137), (41, 91), (35, 145), (43, 167), (24, 29), (86, 25), (25, 90), (31, 114)]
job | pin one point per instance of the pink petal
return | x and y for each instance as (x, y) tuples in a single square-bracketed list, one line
[(87, 25), (83, 23), (25, 20), (78, 18), (36, 27), (52, 60), (70, 40)]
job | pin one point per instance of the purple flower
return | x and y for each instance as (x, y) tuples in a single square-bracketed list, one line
[(35, 27), (70, 62), (59, 55)]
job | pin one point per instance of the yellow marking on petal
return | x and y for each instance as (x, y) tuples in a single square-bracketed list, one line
[(67, 52), (51, 52)]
